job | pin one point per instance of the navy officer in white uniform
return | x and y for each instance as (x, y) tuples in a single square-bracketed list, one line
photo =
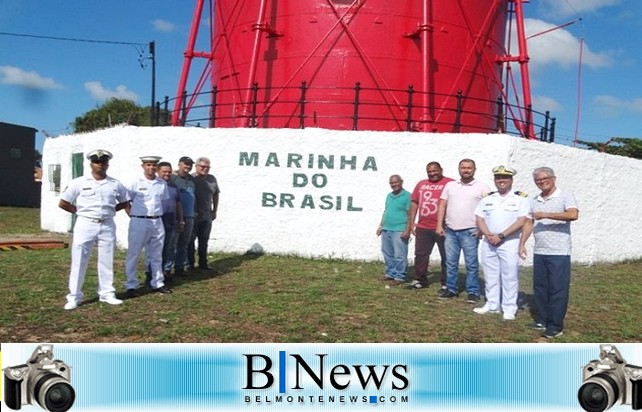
[(500, 217), (94, 198), (147, 193)]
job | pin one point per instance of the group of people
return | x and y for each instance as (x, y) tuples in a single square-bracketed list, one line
[(169, 212), (456, 214)]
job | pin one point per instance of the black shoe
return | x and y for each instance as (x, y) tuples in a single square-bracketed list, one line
[(415, 285), (162, 290), (179, 272), (472, 298), (446, 294), (552, 334), (204, 266), (131, 293), (537, 326), (191, 267)]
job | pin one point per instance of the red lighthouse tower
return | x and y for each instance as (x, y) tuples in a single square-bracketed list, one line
[(418, 65)]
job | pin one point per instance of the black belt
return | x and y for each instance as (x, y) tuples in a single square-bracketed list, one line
[(147, 217), (94, 220)]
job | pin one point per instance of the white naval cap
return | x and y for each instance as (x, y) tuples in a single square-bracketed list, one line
[(99, 156), (150, 159), (504, 171)]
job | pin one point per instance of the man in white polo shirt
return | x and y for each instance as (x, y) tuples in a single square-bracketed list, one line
[(553, 211), (457, 206)]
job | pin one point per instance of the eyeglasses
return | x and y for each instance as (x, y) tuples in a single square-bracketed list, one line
[(543, 180), (203, 166)]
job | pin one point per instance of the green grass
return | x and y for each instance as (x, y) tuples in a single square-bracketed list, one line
[(274, 298)]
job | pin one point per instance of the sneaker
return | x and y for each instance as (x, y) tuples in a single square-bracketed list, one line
[(552, 334), (415, 285), (472, 298), (111, 299), (537, 326), (509, 316), (484, 310), (162, 290), (71, 305), (446, 294)]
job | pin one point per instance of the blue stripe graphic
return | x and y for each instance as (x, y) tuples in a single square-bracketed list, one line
[(282, 371)]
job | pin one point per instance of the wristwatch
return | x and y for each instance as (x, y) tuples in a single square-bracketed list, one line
[(501, 236)]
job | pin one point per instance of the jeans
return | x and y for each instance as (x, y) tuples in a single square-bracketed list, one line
[(202, 229), (169, 252), (551, 284), (465, 240), (169, 248), (425, 242), (182, 244), (395, 254)]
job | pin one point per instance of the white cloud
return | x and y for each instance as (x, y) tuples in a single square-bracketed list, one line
[(163, 25), (611, 107), (99, 92), (544, 103), (560, 47), (566, 8), (31, 80)]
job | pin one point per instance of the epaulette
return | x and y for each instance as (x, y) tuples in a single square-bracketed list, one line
[(520, 193), (488, 194)]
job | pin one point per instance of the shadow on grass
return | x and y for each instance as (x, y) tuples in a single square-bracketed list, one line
[(525, 301), (217, 268)]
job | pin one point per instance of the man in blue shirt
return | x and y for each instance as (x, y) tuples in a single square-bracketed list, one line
[(184, 181), (172, 222)]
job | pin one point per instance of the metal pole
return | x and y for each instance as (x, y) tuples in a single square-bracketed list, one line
[(189, 54), (152, 54), (523, 65)]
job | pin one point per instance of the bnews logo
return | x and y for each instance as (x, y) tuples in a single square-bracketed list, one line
[(317, 373)]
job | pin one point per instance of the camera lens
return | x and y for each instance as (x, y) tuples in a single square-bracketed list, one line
[(60, 397), (54, 393), (593, 397), (598, 393)]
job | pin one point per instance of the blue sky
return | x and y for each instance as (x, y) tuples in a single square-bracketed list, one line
[(46, 84)]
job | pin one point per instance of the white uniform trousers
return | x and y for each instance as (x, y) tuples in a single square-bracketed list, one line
[(86, 233), (148, 234), (501, 274)]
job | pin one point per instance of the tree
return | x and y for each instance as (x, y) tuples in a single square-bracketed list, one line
[(621, 146), (114, 111)]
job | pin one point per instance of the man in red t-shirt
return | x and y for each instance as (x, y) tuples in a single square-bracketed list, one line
[(425, 202)]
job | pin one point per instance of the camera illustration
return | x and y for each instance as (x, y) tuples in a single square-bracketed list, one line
[(43, 380), (610, 381)]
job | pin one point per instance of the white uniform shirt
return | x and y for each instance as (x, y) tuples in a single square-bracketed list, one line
[(147, 196), (499, 212), (95, 199)]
